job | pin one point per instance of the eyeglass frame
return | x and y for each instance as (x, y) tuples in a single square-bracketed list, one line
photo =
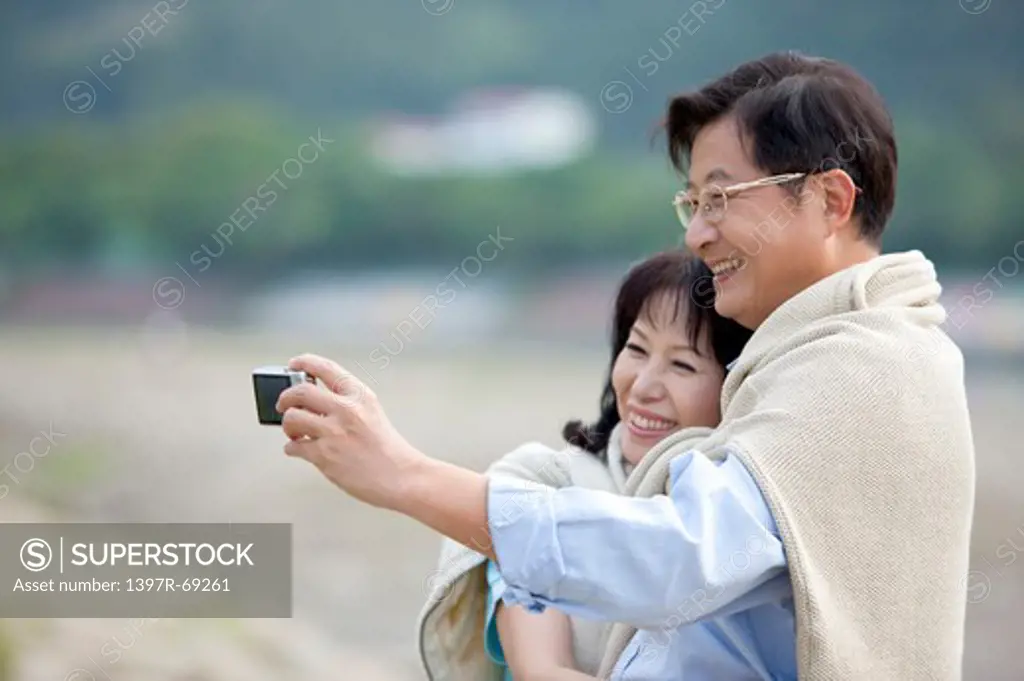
[(678, 200)]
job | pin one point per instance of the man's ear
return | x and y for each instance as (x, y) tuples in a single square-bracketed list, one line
[(838, 193)]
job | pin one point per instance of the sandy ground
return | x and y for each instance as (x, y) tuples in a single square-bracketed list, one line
[(161, 427)]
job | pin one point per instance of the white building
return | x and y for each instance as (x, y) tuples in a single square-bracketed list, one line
[(489, 131)]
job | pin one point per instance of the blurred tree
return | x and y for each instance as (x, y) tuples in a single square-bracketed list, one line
[(201, 112)]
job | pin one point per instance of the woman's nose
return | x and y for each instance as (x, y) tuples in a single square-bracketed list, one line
[(648, 385)]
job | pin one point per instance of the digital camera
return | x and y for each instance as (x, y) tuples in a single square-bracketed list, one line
[(268, 383)]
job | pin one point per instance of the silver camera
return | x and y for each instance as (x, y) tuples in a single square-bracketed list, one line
[(268, 383)]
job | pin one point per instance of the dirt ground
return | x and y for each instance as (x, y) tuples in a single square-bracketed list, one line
[(161, 427)]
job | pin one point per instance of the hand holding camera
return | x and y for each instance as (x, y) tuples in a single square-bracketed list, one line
[(338, 426)]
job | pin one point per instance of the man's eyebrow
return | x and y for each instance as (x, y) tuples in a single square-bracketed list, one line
[(715, 174)]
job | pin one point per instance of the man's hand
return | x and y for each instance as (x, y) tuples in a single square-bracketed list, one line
[(341, 429), (344, 432)]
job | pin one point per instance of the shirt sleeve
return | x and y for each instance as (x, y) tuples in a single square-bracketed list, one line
[(495, 590), (703, 550)]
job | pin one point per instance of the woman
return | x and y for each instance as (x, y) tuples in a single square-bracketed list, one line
[(669, 356)]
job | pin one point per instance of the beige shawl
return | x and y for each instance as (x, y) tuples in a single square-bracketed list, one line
[(848, 407), (450, 628)]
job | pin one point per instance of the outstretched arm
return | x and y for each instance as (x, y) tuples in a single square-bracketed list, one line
[(341, 428), (703, 550)]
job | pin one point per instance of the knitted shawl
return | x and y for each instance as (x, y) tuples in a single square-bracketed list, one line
[(848, 408)]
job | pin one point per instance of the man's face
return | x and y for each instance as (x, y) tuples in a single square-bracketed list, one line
[(771, 243)]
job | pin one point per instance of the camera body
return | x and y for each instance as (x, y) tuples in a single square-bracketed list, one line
[(268, 383)]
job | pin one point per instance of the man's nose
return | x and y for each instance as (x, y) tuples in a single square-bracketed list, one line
[(700, 235)]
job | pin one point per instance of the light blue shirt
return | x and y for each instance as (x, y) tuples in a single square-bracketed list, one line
[(701, 572)]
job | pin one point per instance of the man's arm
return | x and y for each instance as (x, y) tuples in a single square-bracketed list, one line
[(450, 500), (653, 562)]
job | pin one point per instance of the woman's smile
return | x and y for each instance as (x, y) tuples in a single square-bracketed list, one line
[(646, 425)]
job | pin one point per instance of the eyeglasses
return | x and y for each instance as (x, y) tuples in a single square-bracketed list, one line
[(711, 202)]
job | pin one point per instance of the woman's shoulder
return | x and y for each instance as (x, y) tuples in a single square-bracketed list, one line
[(590, 472), (537, 462), (534, 461)]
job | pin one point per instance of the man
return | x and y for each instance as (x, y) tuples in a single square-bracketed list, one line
[(842, 474)]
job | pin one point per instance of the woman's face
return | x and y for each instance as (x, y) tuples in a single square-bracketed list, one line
[(662, 384)]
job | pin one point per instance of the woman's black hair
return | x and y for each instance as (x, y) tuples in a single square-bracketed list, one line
[(688, 280)]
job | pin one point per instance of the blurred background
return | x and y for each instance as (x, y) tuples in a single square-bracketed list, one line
[(441, 195)]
